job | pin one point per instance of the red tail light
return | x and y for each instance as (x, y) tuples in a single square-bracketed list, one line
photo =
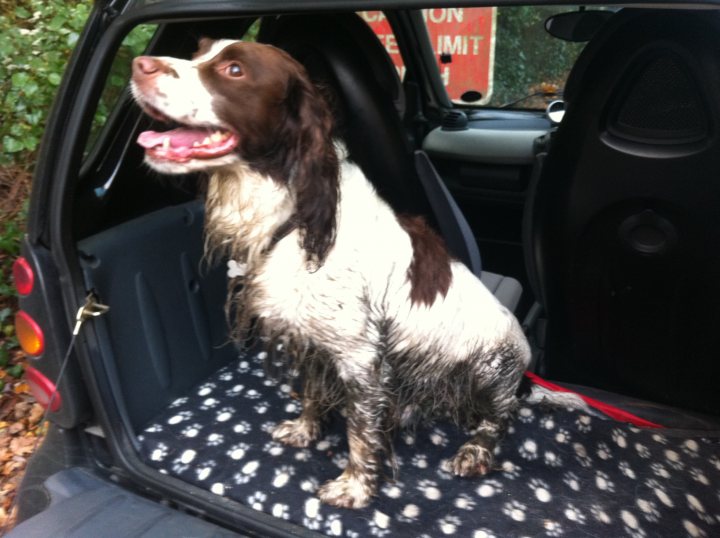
[(29, 334), (42, 389), (23, 276)]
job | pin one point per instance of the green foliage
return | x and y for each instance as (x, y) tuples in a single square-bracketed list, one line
[(527, 57), (38, 36)]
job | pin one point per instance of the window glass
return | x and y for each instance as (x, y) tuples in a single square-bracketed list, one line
[(492, 56), (134, 44)]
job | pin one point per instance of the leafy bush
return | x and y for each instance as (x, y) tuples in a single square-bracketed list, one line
[(38, 37)]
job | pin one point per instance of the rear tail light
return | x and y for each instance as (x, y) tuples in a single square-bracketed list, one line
[(43, 389), (23, 276), (29, 334)]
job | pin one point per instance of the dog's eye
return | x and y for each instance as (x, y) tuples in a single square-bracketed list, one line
[(234, 70)]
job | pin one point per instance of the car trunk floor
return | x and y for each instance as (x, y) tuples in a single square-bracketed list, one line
[(558, 472)]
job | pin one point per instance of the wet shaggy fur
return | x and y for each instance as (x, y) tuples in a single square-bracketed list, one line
[(378, 318)]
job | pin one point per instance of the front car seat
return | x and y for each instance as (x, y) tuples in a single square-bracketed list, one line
[(624, 242), (343, 56)]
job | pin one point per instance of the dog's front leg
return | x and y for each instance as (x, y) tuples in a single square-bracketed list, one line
[(302, 431), (366, 409)]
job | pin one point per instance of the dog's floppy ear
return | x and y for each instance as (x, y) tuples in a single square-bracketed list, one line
[(313, 167)]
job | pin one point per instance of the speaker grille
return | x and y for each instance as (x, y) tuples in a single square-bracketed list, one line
[(661, 103)]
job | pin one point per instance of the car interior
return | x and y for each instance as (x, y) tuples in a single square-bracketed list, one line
[(601, 232)]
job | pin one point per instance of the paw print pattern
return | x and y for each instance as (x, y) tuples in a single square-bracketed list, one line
[(252, 394), (583, 423), (180, 417), (392, 490), (419, 461), (204, 471), (547, 422), (510, 470), (574, 514), (572, 481), (243, 427), (449, 524), (700, 511), (691, 448), (154, 428), (603, 451), (553, 528), (660, 492), (581, 455), (206, 389), (489, 488), (225, 414), (562, 436), (464, 502), (540, 489), (282, 511), (237, 451), (626, 470), (379, 524), (312, 518), (659, 439), (178, 402), (438, 437), (642, 450), (191, 430), (528, 450), (235, 390), (515, 510), (160, 452), (282, 476), (226, 376), (256, 500), (333, 525), (660, 470), (603, 482), (215, 439), (619, 437), (648, 509), (631, 524), (247, 472), (261, 407), (410, 512), (699, 476), (430, 489), (209, 403), (674, 459), (274, 448), (340, 460), (243, 367), (599, 514), (525, 415), (552, 459)]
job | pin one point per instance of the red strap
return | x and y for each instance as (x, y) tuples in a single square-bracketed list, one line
[(609, 410)]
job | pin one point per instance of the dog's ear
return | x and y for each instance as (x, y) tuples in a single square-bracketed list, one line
[(313, 167)]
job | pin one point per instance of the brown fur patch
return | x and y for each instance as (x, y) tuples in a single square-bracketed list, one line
[(429, 272)]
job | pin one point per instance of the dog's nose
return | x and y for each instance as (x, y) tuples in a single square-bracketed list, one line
[(144, 66)]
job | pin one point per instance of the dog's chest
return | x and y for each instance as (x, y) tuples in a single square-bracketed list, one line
[(288, 296)]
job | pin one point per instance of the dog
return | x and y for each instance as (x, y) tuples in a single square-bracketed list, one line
[(381, 321)]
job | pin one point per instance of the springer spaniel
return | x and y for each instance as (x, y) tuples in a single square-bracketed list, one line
[(378, 318)]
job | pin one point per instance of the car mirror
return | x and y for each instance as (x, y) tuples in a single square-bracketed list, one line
[(577, 26)]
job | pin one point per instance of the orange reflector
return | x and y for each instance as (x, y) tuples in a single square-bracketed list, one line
[(42, 389), (29, 334), (23, 276)]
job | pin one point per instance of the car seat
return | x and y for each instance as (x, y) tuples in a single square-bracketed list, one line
[(623, 243), (345, 58)]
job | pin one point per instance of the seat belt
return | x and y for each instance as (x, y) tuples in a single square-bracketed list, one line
[(453, 225)]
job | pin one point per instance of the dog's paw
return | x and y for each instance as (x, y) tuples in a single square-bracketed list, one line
[(298, 433), (471, 460), (347, 491)]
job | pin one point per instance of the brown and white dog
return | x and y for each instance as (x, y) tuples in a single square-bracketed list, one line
[(380, 320)]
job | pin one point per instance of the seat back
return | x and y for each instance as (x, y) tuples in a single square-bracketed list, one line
[(625, 216)]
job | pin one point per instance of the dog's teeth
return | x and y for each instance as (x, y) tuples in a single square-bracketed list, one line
[(206, 140), (216, 136), (196, 144), (166, 142)]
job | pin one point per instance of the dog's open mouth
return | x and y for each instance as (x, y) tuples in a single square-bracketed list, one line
[(186, 142)]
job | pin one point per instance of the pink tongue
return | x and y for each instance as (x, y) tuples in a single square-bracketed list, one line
[(179, 138)]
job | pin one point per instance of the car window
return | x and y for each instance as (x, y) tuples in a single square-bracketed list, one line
[(134, 44), (492, 56)]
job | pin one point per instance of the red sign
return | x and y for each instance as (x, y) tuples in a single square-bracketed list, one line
[(463, 40)]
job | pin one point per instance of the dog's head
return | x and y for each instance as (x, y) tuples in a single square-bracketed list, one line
[(239, 102)]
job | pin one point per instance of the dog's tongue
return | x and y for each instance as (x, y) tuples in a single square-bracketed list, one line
[(184, 143)]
